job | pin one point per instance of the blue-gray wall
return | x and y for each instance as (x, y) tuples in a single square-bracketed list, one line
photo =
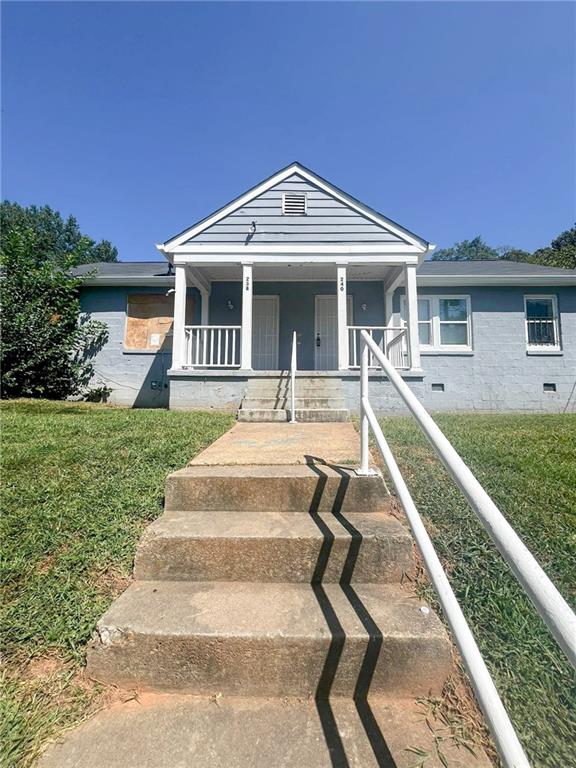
[(297, 310), (497, 375), (327, 220), (136, 378)]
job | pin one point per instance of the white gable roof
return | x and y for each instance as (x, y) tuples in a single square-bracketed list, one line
[(390, 230)]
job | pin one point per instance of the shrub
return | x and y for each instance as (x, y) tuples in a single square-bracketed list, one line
[(46, 344)]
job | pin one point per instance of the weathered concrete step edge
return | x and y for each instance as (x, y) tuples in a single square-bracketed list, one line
[(277, 547), (282, 488), (270, 640), (300, 402), (155, 730), (262, 414), (321, 414)]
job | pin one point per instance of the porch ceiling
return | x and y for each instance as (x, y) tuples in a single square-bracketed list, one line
[(297, 272)]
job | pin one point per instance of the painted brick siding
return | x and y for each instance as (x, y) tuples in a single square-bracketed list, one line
[(499, 375), (327, 220), (130, 375)]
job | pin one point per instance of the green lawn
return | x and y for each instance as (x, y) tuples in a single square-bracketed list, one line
[(528, 465), (79, 483)]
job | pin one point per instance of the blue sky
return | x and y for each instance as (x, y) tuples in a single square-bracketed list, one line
[(454, 119)]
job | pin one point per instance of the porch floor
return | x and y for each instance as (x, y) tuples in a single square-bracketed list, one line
[(284, 443)]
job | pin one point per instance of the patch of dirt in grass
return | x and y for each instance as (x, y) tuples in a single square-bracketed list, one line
[(42, 666), (112, 582)]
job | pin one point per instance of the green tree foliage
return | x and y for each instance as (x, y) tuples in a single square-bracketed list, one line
[(467, 250), (57, 240), (560, 253), (46, 345)]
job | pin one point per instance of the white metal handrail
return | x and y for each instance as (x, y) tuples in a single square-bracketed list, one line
[(212, 346), (391, 339), (546, 598), (293, 367)]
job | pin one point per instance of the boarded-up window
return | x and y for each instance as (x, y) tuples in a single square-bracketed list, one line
[(149, 318)]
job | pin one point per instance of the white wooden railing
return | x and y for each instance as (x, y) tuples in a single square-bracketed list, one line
[(293, 368), (552, 607), (390, 339), (213, 346)]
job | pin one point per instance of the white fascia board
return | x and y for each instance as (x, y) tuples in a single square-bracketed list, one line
[(422, 245), (170, 245), (272, 260), (301, 249), (382, 221), (494, 280), (129, 281)]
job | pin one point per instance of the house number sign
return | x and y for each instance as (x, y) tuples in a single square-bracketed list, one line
[(247, 285), (341, 283)]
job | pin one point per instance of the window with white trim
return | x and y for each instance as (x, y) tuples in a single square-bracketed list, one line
[(294, 203), (542, 326), (444, 323)]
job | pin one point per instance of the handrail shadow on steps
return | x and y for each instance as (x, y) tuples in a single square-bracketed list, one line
[(375, 737)]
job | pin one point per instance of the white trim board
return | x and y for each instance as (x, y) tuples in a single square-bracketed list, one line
[(295, 168)]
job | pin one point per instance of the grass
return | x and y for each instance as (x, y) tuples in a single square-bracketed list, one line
[(79, 484), (528, 465), (81, 481)]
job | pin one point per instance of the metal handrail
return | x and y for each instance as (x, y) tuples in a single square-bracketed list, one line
[(293, 366), (546, 598)]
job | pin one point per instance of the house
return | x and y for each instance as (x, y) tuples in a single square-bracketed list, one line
[(297, 254)]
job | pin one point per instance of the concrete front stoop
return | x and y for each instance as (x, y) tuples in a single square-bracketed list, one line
[(317, 399), (269, 624)]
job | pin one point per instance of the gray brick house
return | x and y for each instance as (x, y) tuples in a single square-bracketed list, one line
[(296, 254)]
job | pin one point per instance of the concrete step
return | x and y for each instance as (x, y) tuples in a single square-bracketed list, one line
[(300, 402), (254, 639), (285, 488), (321, 414), (154, 731), (275, 547), (262, 414), (313, 389)]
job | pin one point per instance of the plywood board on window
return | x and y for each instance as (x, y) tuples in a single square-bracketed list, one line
[(149, 318)]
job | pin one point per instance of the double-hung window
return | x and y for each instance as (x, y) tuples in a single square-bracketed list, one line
[(444, 323), (542, 326)]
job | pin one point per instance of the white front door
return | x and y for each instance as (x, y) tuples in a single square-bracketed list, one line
[(326, 332), (265, 311)]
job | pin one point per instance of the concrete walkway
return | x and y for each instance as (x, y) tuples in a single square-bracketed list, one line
[(277, 444), (275, 571)]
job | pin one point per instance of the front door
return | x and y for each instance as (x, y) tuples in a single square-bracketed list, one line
[(326, 332), (265, 311)]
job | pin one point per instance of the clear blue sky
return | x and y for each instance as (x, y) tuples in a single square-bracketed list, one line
[(454, 119)]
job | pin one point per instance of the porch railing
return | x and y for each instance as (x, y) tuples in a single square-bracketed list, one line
[(390, 339), (551, 606), (213, 346)]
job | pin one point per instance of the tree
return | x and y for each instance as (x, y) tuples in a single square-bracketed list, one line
[(46, 345), (560, 253), (467, 250), (56, 240)]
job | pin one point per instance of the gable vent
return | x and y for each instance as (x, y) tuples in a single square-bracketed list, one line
[(294, 204)]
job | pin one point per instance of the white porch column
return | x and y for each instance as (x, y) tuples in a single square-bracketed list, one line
[(412, 315), (246, 332), (342, 304), (178, 332), (388, 308), (204, 306)]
